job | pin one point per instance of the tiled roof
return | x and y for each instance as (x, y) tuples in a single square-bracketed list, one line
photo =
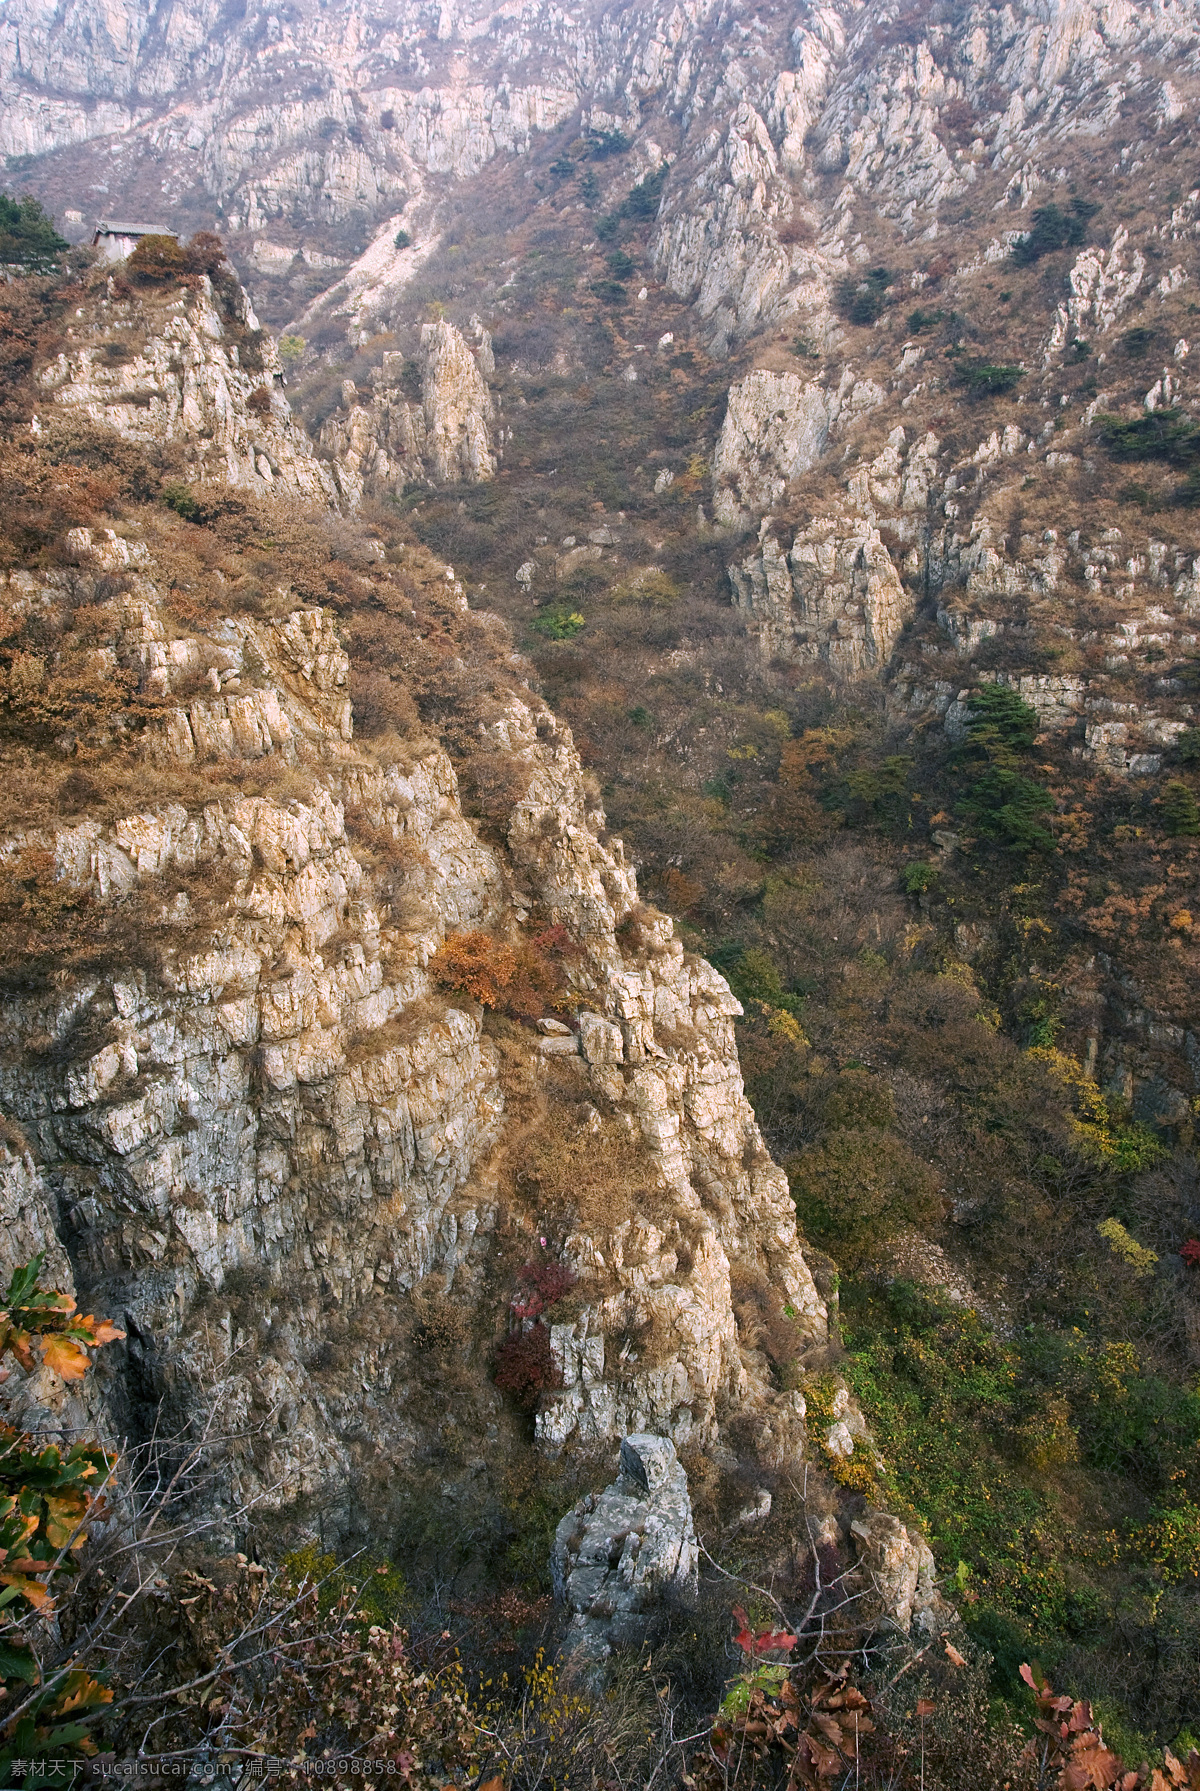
[(105, 228)]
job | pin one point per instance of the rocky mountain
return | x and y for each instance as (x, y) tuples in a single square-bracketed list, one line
[(302, 1149), (773, 428)]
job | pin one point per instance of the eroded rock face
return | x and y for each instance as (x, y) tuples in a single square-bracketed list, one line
[(901, 1571), (777, 427), (187, 370), (621, 1553), (836, 597), (380, 445), (287, 1103)]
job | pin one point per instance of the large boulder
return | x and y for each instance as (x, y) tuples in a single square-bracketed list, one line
[(618, 1554)]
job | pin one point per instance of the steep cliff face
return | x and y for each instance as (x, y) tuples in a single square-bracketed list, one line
[(191, 369), (847, 199), (268, 1128), (380, 445), (842, 368)]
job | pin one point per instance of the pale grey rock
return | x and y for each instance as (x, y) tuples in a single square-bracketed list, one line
[(601, 1040), (901, 1571), (621, 1553), (775, 428), (183, 382), (270, 1107), (835, 597), (380, 445)]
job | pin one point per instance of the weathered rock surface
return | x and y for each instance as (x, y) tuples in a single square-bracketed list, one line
[(279, 1130), (900, 1567), (190, 371), (621, 1553), (379, 445), (776, 427), (836, 597)]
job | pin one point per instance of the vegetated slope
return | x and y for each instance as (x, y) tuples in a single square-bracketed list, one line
[(340, 1057), (963, 450), (963, 931)]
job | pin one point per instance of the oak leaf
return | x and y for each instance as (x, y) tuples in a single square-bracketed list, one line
[(65, 1357)]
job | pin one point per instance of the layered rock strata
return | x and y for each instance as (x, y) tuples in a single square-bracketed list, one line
[(388, 439), (287, 1101), (189, 369)]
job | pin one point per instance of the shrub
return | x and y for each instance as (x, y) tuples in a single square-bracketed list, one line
[(474, 964), (857, 1188), (543, 1285), (859, 1099), (921, 319), (259, 402), (48, 1500), (158, 261), (291, 348), (182, 499), (918, 878), (1180, 810), (1054, 229), (402, 239), (524, 1366), (1168, 435), (381, 705), (559, 623), (985, 379), (861, 301), (206, 255), (522, 979)]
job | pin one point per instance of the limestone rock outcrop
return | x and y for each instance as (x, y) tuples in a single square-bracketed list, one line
[(380, 444), (836, 597), (901, 1573), (194, 370), (621, 1553), (277, 1128), (776, 427)]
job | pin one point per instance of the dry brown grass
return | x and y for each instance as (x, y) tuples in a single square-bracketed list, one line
[(591, 1178)]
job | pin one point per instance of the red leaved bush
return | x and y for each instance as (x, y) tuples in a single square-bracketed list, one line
[(757, 1642), (1074, 1750), (524, 1366), (546, 1282)]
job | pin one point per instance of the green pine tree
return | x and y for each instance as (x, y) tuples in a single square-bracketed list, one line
[(28, 238), (1180, 810)]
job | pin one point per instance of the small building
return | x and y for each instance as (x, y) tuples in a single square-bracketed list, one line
[(116, 241)]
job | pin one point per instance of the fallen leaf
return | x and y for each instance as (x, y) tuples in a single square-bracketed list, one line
[(954, 1657), (36, 1593)]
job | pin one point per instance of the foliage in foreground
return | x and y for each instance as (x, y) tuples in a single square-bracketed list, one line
[(50, 1497)]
